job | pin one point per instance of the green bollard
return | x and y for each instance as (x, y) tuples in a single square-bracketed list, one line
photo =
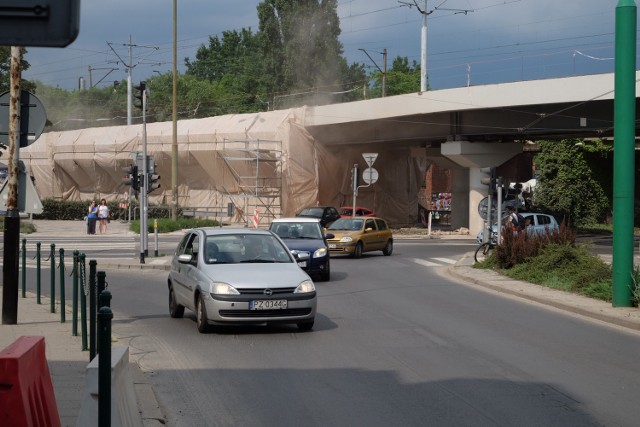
[(52, 275), (74, 314), (93, 309), (104, 368), (83, 302), (38, 283), (24, 268), (62, 290), (104, 300)]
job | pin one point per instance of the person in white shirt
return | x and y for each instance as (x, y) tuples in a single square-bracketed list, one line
[(103, 216)]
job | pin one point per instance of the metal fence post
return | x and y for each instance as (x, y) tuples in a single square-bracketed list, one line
[(83, 301), (74, 314), (38, 282), (24, 268), (104, 368), (62, 290), (104, 300), (52, 275), (93, 309)]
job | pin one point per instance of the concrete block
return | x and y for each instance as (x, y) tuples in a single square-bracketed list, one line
[(124, 405)]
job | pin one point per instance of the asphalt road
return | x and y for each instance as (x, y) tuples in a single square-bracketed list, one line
[(396, 342)]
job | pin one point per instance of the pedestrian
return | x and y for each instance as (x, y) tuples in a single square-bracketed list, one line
[(103, 216), (92, 217), (517, 220)]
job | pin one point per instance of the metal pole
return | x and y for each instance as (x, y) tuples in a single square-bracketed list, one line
[(74, 309), (93, 308), (354, 179), (129, 85), (174, 139), (24, 268), (12, 219), (38, 278), (104, 298), (423, 51), (155, 235), (384, 73), (83, 302), (104, 368), (52, 276), (143, 189), (62, 290), (624, 152)]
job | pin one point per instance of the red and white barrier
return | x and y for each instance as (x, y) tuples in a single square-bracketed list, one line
[(256, 218), (26, 390)]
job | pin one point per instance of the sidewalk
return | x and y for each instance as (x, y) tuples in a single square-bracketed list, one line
[(67, 361)]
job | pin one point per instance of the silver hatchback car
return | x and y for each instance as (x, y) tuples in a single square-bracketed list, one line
[(239, 276)]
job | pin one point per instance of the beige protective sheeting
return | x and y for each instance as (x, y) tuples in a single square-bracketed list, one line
[(264, 161)]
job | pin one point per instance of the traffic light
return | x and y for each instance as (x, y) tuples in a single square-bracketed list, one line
[(153, 182), (139, 95), (489, 178), (131, 177)]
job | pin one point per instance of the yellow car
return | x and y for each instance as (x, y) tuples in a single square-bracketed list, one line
[(355, 235)]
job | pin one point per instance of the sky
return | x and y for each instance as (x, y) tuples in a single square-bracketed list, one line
[(469, 42)]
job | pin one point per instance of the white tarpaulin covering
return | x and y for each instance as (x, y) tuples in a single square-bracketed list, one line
[(265, 161)]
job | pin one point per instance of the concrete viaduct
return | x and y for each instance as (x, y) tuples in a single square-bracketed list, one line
[(474, 127)]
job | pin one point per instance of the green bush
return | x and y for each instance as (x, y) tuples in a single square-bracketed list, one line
[(567, 267), (54, 209)]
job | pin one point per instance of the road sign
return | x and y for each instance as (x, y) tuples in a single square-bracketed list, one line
[(32, 118), (38, 23), (370, 175), (28, 200), (370, 158)]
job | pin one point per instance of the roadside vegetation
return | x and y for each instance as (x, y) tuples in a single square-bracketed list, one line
[(575, 184), (25, 226)]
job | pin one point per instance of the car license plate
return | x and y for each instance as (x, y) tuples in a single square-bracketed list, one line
[(332, 245), (268, 304), (302, 263)]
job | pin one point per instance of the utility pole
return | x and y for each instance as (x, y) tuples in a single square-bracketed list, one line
[(423, 44), (12, 220), (384, 73), (174, 137), (130, 66)]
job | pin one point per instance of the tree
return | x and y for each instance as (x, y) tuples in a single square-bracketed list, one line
[(300, 48), (566, 184), (401, 78), (5, 70)]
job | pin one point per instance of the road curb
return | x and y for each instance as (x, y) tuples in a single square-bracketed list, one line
[(627, 317)]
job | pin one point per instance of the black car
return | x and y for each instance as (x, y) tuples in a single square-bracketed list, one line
[(326, 214), (306, 241)]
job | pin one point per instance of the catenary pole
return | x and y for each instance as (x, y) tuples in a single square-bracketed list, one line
[(624, 152), (174, 138)]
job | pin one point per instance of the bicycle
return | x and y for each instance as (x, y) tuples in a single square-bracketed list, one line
[(484, 251)]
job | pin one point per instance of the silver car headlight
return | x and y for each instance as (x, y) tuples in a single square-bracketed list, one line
[(319, 253), (221, 288), (346, 239), (305, 287)]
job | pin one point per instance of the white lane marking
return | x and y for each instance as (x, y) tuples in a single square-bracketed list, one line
[(424, 262), (445, 260)]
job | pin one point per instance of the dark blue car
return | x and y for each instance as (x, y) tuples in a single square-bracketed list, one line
[(306, 240)]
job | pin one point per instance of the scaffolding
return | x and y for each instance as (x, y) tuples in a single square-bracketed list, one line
[(255, 182)]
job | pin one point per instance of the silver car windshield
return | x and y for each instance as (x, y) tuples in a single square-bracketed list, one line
[(245, 248)]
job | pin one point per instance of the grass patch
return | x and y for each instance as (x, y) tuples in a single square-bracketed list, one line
[(568, 268), (167, 225)]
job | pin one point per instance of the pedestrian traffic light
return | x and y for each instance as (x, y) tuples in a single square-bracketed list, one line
[(489, 178), (139, 94), (131, 176), (153, 182)]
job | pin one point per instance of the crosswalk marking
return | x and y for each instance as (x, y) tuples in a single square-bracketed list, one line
[(424, 262)]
